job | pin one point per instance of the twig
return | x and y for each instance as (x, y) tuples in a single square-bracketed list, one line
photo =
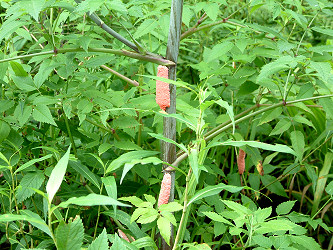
[(147, 58)]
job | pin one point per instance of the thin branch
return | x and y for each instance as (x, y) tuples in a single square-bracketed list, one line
[(147, 58), (126, 79), (113, 33)]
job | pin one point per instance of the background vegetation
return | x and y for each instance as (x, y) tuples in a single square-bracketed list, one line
[(81, 133)]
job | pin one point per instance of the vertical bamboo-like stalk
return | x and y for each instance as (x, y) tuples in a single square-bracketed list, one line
[(169, 127)]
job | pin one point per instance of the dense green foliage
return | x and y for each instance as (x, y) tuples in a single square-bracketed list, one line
[(80, 146)]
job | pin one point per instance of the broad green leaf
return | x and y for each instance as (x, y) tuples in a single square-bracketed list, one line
[(306, 242), (30, 180), (136, 201), (32, 162), (24, 83), (42, 113), (128, 166), (285, 207), (85, 172), (277, 147), (282, 126), (126, 145), (151, 199), (171, 207), (101, 242), (237, 207), (44, 72), (18, 69), (212, 190), (57, 175), (328, 32), (230, 112), (31, 219), (92, 200), (128, 157), (323, 70), (22, 113), (70, 236), (147, 26), (329, 188), (36, 221), (111, 188), (273, 185), (212, 10), (34, 7), (275, 226), (297, 140), (217, 52), (145, 242), (149, 216), (217, 217), (165, 229), (4, 130), (270, 115)]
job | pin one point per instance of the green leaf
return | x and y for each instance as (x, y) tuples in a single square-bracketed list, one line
[(30, 180), (128, 157), (285, 207), (230, 112), (57, 175), (329, 188), (24, 83), (270, 115), (171, 207), (85, 172), (32, 162), (275, 226), (145, 242), (70, 236), (273, 185), (323, 70), (31, 219), (297, 140), (136, 201), (282, 126), (92, 200), (306, 242), (328, 32), (212, 190), (148, 216), (22, 114), (42, 113), (35, 7), (44, 71), (128, 166), (4, 130), (18, 69), (240, 209), (101, 242), (217, 52), (217, 217), (255, 144), (147, 26), (212, 10), (111, 188), (165, 229), (36, 221)]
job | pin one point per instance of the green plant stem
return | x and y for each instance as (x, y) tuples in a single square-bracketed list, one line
[(147, 58), (183, 220), (184, 155)]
